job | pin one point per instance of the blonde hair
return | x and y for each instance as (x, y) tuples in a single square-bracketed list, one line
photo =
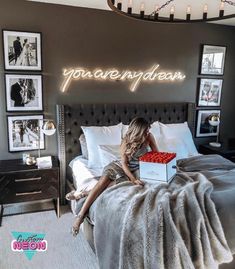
[(135, 136)]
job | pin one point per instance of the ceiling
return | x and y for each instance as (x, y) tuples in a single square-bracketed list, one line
[(197, 7)]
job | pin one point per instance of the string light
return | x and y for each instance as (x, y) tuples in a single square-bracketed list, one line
[(119, 4), (172, 12), (188, 13), (221, 11), (205, 10), (129, 9), (142, 10)]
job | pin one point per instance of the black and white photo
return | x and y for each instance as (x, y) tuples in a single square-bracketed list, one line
[(208, 123), (23, 92), (210, 92), (25, 133), (213, 59), (22, 50)]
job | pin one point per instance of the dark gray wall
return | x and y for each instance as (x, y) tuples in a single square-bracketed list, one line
[(94, 38)]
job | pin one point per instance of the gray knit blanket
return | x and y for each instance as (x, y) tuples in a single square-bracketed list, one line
[(167, 226)]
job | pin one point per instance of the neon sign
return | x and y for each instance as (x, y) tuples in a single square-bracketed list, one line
[(136, 77)]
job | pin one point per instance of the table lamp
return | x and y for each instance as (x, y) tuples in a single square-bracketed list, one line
[(48, 128), (214, 120)]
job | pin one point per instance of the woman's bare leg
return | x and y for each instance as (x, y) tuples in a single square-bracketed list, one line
[(101, 185)]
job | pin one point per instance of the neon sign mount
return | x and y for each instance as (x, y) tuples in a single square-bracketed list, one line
[(136, 77)]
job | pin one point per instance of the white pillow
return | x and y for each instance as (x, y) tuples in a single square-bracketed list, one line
[(100, 135), (124, 129), (83, 144), (155, 130), (182, 132), (109, 153), (174, 145)]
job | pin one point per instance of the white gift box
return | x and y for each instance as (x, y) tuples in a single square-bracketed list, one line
[(153, 171)]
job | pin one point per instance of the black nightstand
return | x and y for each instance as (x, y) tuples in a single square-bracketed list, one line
[(23, 183), (224, 151)]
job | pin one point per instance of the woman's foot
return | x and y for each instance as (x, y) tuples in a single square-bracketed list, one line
[(74, 195), (77, 223)]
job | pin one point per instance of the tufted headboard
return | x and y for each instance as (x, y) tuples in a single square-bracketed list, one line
[(71, 117)]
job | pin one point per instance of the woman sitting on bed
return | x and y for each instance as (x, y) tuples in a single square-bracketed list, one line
[(134, 145)]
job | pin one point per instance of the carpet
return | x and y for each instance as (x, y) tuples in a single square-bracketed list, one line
[(64, 251)]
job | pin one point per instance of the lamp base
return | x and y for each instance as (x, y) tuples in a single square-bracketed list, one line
[(215, 144)]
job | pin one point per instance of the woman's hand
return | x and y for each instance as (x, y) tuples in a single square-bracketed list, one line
[(138, 182)]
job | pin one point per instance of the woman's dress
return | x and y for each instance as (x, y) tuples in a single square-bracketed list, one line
[(24, 56), (115, 172)]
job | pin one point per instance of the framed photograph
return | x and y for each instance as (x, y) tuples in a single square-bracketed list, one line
[(204, 128), (24, 133), (213, 58), (22, 50), (23, 92), (210, 92)]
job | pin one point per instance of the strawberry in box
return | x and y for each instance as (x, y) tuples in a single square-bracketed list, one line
[(157, 166)]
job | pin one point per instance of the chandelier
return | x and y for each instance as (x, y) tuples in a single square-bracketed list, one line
[(162, 13)]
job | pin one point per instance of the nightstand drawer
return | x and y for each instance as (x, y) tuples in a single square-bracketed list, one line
[(27, 186), (25, 183)]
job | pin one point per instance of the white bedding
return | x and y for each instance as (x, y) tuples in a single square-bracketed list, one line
[(84, 178)]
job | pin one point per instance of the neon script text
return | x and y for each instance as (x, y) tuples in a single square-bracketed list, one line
[(136, 77)]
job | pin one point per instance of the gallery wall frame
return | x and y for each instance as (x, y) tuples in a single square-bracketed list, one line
[(209, 92), (22, 50), (212, 60), (23, 92), (24, 132), (204, 128)]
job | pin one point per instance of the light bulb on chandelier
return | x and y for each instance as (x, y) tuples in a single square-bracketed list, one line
[(117, 6)]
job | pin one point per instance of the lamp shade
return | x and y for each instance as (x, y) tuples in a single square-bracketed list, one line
[(214, 120), (48, 128)]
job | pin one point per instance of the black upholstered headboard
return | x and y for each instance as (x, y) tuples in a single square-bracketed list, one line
[(71, 117)]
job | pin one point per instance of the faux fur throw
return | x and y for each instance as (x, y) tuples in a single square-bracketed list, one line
[(161, 226), (173, 226)]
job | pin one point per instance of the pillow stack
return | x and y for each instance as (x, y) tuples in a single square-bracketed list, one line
[(100, 135), (180, 135), (175, 138), (101, 144)]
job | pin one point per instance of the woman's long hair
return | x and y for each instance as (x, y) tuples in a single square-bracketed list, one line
[(135, 136)]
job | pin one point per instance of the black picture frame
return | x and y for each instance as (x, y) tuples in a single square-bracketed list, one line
[(209, 92), (23, 133), (213, 60), (204, 128), (22, 50), (24, 92)]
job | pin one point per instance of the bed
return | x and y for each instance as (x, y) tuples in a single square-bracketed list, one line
[(71, 118)]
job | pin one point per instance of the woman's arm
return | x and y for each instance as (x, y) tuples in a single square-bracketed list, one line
[(126, 169), (152, 142)]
